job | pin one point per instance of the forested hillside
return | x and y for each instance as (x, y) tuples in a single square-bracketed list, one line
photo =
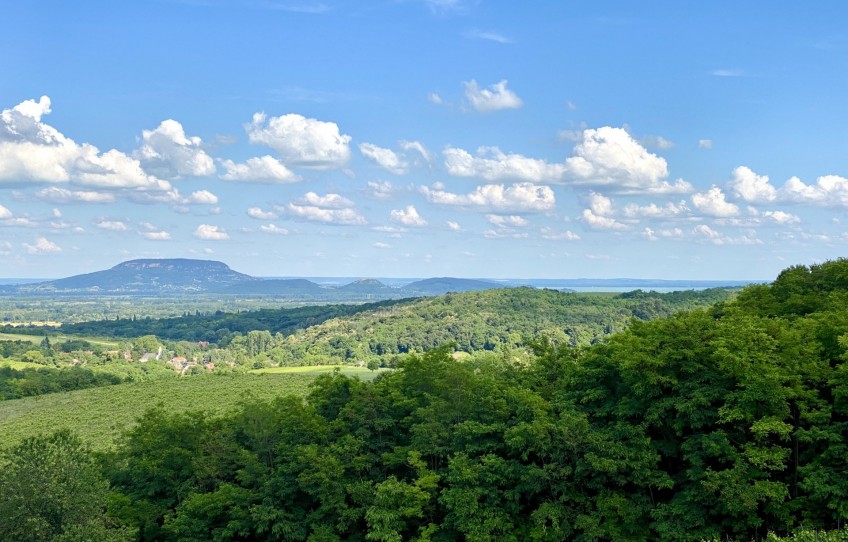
[(378, 332), (474, 320), (485, 320), (724, 423), (220, 325)]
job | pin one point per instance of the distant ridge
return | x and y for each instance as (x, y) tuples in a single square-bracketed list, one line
[(367, 286), (147, 276), (182, 276)]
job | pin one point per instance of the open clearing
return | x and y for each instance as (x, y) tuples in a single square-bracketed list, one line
[(36, 339), (99, 415)]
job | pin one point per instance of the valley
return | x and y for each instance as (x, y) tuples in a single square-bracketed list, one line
[(607, 394)]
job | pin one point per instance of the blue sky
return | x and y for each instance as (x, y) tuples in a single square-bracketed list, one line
[(416, 138)]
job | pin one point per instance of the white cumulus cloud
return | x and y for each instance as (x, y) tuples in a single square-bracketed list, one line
[(492, 164), (713, 203), (5, 213), (706, 233), (175, 198), (418, 148), (348, 217), (111, 225), (604, 157), (493, 98), (301, 141), (828, 191), (328, 201), (54, 194), (41, 246), (750, 187), (600, 204), (599, 222), (20, 222), (781, 217), (611, 157), (652, 210), (210, 233), (157, 235), (508, 221), (32, 151), (385, 158), (167, 152), (259, 169), (407, 216), (517, 198), (202, 197), (274, 229), (259, 214), (328, 209)]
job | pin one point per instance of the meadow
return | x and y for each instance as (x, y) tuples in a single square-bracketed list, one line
[(56, 337), (310, 370), (100, 415)]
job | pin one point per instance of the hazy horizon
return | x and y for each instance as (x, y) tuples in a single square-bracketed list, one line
[(343, 279)]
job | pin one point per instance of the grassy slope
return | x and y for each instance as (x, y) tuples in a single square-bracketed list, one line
[(99, 415), (56, 338), (20, 365), (34, 339), (315, 370)]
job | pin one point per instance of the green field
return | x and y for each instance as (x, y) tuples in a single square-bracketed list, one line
[(36, 339), (315, 370), (99, 415), (20, 365)]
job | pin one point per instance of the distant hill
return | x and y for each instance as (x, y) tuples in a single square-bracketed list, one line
[(443, 285), (147, 276), (368, 286), (180, 276)]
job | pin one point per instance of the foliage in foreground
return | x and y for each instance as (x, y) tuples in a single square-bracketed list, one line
[(52, 489), (807, 535)]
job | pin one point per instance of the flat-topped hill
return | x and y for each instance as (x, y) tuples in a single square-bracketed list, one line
[(147, 276)]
